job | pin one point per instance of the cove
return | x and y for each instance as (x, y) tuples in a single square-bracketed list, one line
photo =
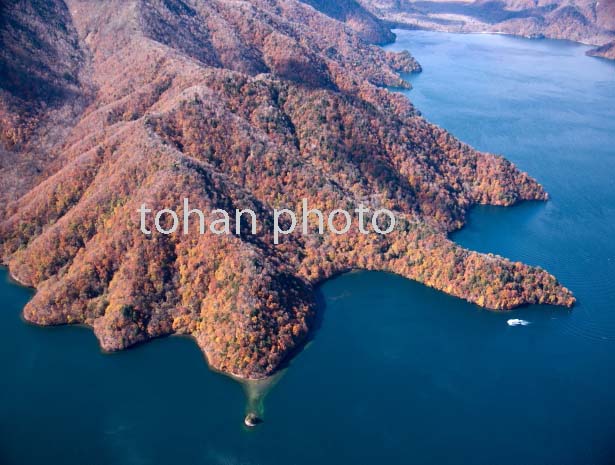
[(397, 373)]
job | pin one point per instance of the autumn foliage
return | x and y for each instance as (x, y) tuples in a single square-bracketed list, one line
[(240, 105)]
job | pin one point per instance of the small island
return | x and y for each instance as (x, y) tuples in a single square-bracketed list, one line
[(252, 420)]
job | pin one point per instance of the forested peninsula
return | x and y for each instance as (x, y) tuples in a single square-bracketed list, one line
[(252, 104)]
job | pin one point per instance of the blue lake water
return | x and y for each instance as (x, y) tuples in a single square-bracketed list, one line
[(398, 373)]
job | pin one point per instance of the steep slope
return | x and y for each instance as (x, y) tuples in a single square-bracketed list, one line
[(242, 104), (42, 88), (370, 28), (586, 21)]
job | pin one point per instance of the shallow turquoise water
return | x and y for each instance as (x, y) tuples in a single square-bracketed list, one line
[(397, 373)]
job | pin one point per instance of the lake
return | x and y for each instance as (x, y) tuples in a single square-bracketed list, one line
[(397, 373)]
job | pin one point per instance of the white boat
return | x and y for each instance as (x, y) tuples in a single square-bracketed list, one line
[(517, 322)]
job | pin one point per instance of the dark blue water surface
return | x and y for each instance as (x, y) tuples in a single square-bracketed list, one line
[(398, 373)]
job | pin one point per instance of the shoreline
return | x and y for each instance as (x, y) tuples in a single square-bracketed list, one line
[(236, 377), (15, 279), (415, 28), (252, 382)]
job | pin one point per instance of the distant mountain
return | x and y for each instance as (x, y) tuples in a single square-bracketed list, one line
[(587, 21), (253, 104)]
